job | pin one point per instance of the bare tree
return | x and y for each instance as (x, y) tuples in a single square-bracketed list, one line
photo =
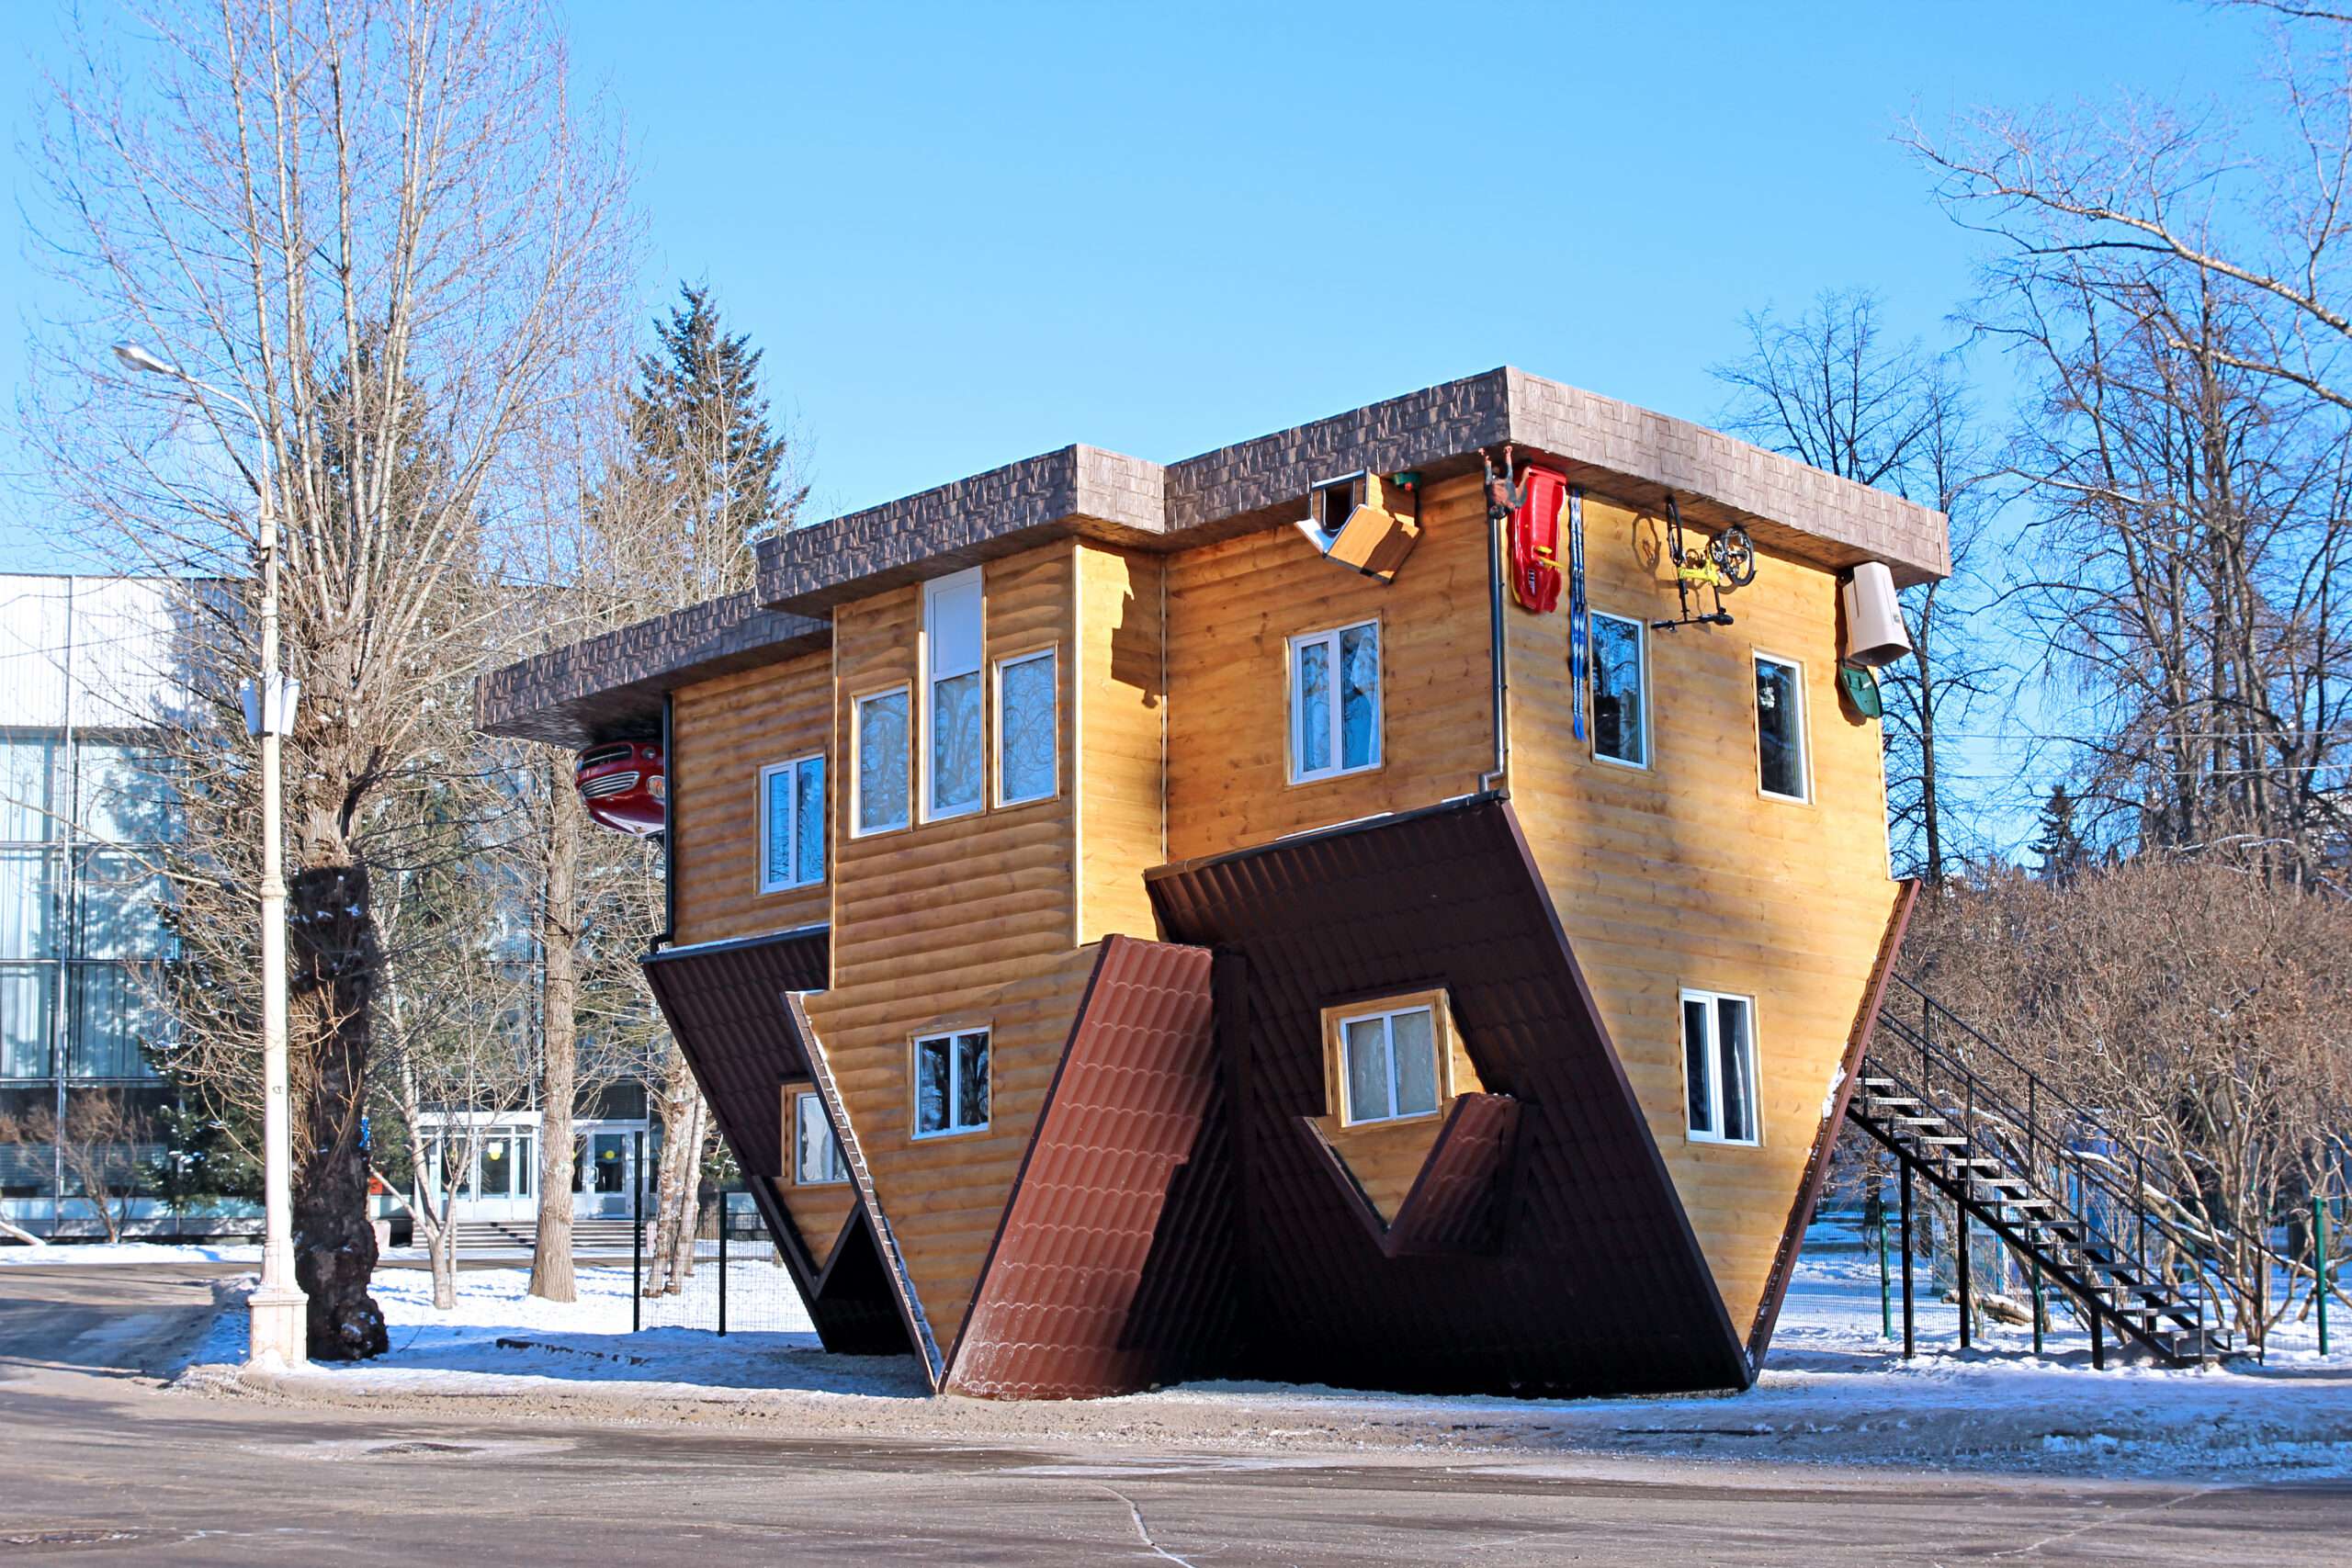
[(386, 228), (1832, 389)]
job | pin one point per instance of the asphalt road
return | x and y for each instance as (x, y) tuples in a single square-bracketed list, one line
[(101, 1465)]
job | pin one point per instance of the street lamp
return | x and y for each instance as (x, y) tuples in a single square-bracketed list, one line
[(279, 1334)]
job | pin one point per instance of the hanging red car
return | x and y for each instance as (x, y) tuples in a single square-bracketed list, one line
[(624, 785)]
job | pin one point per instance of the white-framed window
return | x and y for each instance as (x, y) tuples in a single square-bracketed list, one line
[(792, 824), (1718, 1067), (1781, 762), (1621, 691), (879, 730), (1389, 1065), (950, 696), (951, 1082), (816, 1154), (1028, 727), (1335, 702)]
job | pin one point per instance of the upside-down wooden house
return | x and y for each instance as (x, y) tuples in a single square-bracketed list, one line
[(1370, 904)]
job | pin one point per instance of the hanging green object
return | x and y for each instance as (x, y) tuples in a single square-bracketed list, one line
[(1861, 688)]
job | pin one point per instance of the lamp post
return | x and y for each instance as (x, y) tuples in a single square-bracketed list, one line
[(279, 1334)]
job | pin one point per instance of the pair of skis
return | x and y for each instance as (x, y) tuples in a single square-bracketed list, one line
[(1580, 658)]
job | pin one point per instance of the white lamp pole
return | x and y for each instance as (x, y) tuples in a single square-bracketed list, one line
[(279, 1334)]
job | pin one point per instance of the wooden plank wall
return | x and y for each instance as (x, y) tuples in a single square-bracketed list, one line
[(1231, 606), (962, 922), (1123, 724), (1687, 875), (722, 732)]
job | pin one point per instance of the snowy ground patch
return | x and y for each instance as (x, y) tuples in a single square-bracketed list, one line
[(85, 1254), (1833, 1391)]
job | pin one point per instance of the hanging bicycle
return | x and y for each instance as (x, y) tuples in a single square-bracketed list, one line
[(1726, 560)]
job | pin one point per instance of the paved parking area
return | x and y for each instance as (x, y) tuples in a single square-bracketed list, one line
[(102, 1463)]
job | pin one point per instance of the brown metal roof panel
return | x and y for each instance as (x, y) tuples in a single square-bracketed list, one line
[(1594, 1281), (1071, 1302)]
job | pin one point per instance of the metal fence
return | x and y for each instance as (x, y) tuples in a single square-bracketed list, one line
[(736, 1282)]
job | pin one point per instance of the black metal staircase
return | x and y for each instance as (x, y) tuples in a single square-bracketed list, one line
[(2048, 1178)]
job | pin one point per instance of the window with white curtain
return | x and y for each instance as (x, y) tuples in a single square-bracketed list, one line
[(1028, 727), (816, 1154), (30, 767), (879, 730), (792, 824), (116, 1013), (1335, 702), (1390, 1070), (1718, 1067), (951, 624)]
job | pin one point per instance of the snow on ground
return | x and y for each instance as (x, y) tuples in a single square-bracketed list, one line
[(1832, 1391), (86, 1253)]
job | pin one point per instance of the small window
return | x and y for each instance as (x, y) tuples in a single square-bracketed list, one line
[(1335, 702), (1390, 1066), (1718, 1067), (792, 824), (1027, 722), (1780, 729), (951, 1083), (951, 627), (1620, 705), (816, 1154), (881, 735)]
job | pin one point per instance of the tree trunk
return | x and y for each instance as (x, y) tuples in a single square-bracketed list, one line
[(689, 1226), (674, 1194), (331, 941), (551, 1277)]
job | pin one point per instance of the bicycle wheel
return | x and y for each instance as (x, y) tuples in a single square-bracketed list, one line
[(1734, 554)]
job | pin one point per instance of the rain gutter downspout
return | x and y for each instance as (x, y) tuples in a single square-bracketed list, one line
[(662, 938), (1498, 778)]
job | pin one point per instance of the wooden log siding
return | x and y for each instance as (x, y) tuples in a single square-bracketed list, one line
[(1121, 684), (722, 732), (968, 921), (1232, 608), (1685, 875)]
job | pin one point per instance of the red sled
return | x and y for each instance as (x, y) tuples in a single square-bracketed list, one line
[(1535, 539)]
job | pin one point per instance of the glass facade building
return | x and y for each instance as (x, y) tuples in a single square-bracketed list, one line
[(86, 805)]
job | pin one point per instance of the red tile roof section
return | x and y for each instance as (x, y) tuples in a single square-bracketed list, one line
[(1111, 1271)]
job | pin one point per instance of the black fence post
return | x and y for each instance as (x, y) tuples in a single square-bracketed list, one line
[(1960, 1249), (1908, 1346), (722, 1263), (637, 1238)]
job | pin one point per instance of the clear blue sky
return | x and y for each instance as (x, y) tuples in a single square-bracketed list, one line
[(964, 233)]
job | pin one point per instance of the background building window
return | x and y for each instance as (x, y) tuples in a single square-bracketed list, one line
[(792, 824), (1719, 1066), (1780, 728), (816, 1154), (1335, 702), (952, 1083), (1028, 735), (1391, 1067), (1621, 707), (881, 733), (951, 622)]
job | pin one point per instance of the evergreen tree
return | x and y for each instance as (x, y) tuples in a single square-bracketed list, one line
[(701, 442), (2059, 844)]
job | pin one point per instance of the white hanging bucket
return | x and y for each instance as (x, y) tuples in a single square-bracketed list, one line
[(1874, 630)]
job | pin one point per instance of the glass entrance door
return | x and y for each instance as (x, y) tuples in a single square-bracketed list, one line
[(605, 1177)]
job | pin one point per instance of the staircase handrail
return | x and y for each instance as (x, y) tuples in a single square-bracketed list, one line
[(2197, 1241)]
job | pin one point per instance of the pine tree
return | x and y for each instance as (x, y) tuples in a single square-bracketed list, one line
[(701, 442), (2060, 845)]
